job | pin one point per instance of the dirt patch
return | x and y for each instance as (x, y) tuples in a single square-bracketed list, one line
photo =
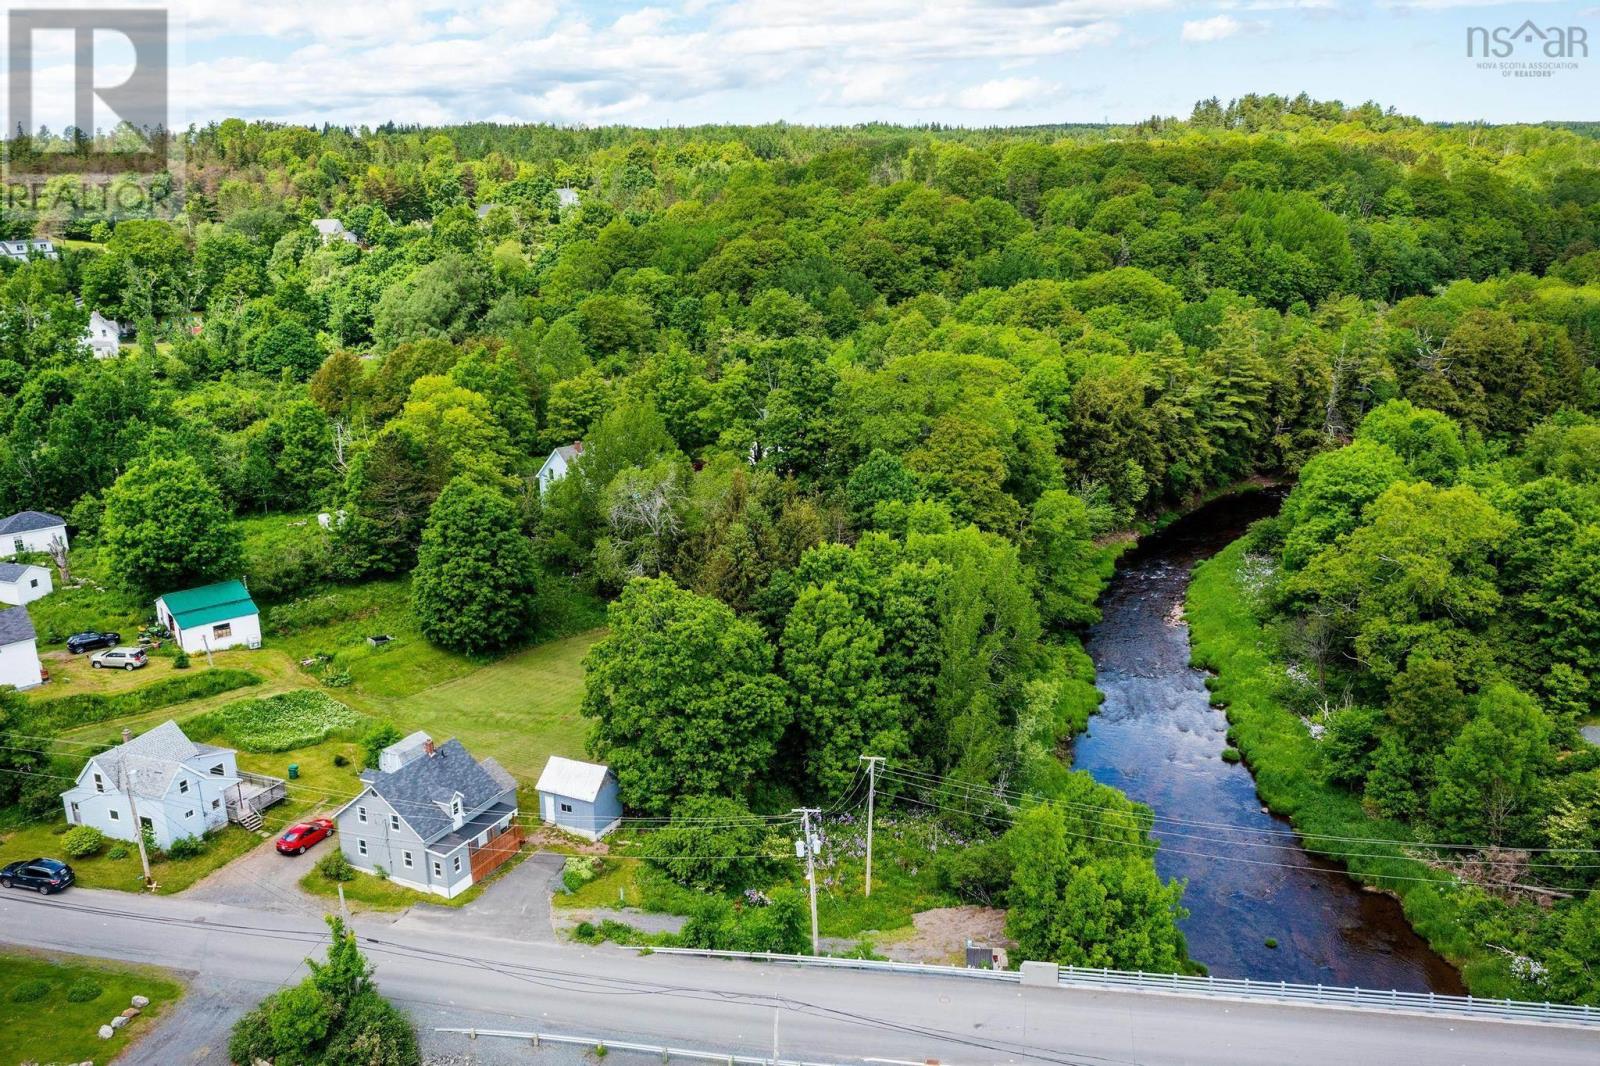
[(940, 936), (548, 838)]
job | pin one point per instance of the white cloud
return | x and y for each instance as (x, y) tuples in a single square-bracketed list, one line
[(1004, 94), (1215, 28)]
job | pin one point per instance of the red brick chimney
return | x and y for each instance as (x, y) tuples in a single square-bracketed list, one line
[(427, 746)]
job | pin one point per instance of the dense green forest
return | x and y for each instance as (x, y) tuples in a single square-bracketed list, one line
[(862, 410)]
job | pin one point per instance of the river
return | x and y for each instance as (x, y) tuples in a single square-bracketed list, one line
[(1157, 738)]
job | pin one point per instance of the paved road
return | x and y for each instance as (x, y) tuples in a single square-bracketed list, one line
[(449, 978)]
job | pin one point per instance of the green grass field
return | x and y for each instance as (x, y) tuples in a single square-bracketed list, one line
[(53, 1028)]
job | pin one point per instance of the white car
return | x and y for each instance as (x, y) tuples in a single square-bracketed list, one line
[(123, 658)]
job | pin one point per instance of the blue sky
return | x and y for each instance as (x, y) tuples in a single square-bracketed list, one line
[(971, 62)]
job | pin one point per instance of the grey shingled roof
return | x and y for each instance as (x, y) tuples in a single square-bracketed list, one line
[(15, 626), (15, 571), (151, 759), (420, 790), (28, 521)]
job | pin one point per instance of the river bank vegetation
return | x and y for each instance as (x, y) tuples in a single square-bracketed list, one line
[(1406, 654), (861, 412)]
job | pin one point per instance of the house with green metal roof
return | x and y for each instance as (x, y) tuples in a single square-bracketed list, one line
[(211, 617)]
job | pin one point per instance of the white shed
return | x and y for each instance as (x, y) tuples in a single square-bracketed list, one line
[(22, 583), (31, 531), (19, 650), (211, 617)]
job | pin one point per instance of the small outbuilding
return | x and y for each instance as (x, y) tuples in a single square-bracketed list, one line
[(31, 531), (19, 650), (211, 617), (104, 336), (22, 583), (579, 797)]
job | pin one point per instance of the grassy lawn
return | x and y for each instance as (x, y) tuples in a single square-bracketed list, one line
[(53, 1028), (520, 710), (618, 886), (34, 839), (369, 892)]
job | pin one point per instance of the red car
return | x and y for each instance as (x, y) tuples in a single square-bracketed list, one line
[(302, 835)]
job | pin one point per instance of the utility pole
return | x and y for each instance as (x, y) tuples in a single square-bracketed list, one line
[(872, 762), (808, 843), (133, 808)]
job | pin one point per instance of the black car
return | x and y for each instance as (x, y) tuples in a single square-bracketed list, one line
[(42, 875), (82, 642)]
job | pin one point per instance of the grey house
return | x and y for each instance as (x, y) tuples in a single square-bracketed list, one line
[(580, 797), (433, 818)]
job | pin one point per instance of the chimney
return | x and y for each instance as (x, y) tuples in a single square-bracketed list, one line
[(577, 446), (427, 746), (127, 734)]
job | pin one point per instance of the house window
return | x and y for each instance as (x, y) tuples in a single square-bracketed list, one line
[(215, 804), (405, 857), (361, 815), (222, 629), (99, 783), (189, 814), (34, 583), (394, 822), (183, 786), (115, 817), (218, 771), (438, 868), (566, 808), (19, 546), (361, 846), (455, 807), (455, 864)]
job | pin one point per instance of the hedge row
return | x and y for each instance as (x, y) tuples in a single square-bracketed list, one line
[(87, 708)]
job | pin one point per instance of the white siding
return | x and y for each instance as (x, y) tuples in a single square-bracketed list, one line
[(19, 664), (32, 585), (242, 632), (34, 540)]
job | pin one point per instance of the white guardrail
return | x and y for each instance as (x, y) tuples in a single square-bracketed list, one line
[(1216, 988), (595, 1043)]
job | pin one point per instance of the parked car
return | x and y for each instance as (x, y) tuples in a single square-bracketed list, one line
[(42, 875), (123, 658), (302, 835), (79, 643)]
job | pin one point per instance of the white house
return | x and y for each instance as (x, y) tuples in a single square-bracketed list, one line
[(179, 788), (555, 468), (104, 336), (211, 617), (31, 531), (580, 797), (22, 583), (22, 251), (332, 229), (19, 650)]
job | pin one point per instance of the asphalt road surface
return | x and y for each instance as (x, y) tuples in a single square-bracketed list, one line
[(450, 978)]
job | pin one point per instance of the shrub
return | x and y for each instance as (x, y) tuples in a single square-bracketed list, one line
[(30, 991), (82, 841), (118, 851), (83, 990), (282, 722), (372, 1030), (586, 932), (335, 867), (1230, 755), (186, 848), (180, 661), (579, 870), (379, 736), (341, 760)]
